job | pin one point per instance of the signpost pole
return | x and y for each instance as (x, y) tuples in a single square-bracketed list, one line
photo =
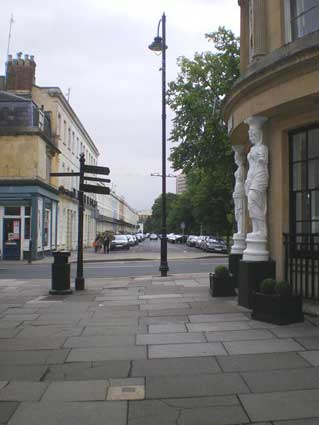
[(79, 280)]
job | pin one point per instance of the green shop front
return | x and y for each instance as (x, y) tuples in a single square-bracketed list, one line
[(28, 220)]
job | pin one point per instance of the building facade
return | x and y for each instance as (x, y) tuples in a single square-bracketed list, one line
[(181, 183), (40, 133), (28, 200), (275, 106)]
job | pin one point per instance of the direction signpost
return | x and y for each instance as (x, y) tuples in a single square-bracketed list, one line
[(90, 169)]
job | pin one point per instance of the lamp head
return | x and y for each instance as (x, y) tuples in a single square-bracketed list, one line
[(156, 45)]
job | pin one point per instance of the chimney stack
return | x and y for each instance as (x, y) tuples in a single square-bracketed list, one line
[(20, 73)]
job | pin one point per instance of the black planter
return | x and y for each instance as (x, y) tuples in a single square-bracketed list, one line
[(277, 309), (221, 286)]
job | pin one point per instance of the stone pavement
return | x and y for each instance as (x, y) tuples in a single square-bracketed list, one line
[(150, 351)]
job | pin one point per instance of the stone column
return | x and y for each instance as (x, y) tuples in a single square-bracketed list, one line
[(258, 29), (244, 35), (256, 187), (239, 197)]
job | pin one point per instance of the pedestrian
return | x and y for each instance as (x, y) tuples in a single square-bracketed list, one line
[(96, 243), (106, 243)]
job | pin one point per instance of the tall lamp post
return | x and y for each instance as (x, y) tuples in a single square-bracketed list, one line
[(159, 45)]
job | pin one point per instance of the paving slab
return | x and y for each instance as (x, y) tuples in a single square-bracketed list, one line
[(194, 386), (164, 306), (166, 328), (311, 356), (100, 341), (9, 332), (169, 338), (147, 410), (245, 335), (281, 405), (7, 408), (312, 421), (88, 371), (77, 413), (262, 346), (113, 330), (33, 357), (33, 331), (175, 366), (282, 380), (22, 373), (217, 326), (76, 391), (162, 320), (126, 389), (284, 332), (271, 361), (189, 403), (48, 343), (310, 343), (213, 415), (110, 353), (23, 391), (186, 350), (221, 317)]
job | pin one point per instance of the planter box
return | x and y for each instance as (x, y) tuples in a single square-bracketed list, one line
[(278, 309), (221, 287)]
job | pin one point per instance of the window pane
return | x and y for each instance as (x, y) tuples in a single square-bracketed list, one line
[(12, 211), (313, 143), (303, 227), (27, 228), (301, 206), (315, 205), (313, 174), (305, 17), (299, 146), (299, 176), (27, 211)]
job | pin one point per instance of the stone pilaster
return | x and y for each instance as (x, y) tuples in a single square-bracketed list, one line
[(258, 28)]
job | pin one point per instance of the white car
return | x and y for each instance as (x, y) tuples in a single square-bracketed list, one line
[(153, 237)]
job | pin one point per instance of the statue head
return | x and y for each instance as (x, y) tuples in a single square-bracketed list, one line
[(240, 157), (255, 129)]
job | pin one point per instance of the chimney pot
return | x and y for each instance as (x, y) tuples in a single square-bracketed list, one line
[(26, 57)]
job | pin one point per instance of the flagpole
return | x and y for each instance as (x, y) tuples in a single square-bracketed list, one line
[(9, 37)]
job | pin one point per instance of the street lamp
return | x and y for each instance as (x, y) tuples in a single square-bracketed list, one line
[(159, 45)]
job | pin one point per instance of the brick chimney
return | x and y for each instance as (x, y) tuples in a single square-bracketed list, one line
[(20, 72)]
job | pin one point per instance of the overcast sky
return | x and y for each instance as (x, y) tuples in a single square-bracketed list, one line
[(99, 49)]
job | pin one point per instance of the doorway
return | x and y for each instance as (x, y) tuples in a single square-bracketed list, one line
[(11, 238)]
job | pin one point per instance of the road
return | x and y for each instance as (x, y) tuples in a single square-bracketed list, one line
[(123, 268)]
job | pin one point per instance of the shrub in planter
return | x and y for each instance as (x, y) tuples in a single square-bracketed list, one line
[(221, 282), (267, 286), (276, 304)]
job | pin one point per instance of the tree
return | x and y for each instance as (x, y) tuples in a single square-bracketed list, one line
[(154, 223), (203, 151)]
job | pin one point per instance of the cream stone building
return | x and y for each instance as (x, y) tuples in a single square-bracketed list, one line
[(40, 133), (277, 94)]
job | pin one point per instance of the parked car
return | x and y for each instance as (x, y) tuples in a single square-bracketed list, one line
[(131, 240), (120, 242), (199, 241), (215, 245), (191, 240), (153, 237)]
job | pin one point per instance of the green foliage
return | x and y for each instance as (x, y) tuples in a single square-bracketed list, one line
[(204, 152), (221, 271), (282, 288), (154, 223), (267, 286)]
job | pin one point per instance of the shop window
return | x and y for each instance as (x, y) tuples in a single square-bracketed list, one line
[(12, 211), (47, 227), (304, 182), (27, 228), (27, 211), (304, 15)]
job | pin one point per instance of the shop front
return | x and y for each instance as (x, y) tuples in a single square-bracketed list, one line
[(28, 222)]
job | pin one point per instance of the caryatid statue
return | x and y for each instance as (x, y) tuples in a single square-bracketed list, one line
[(256, 186), (239, 197)]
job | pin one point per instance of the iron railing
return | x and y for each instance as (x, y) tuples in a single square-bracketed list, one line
[(302, 263)]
